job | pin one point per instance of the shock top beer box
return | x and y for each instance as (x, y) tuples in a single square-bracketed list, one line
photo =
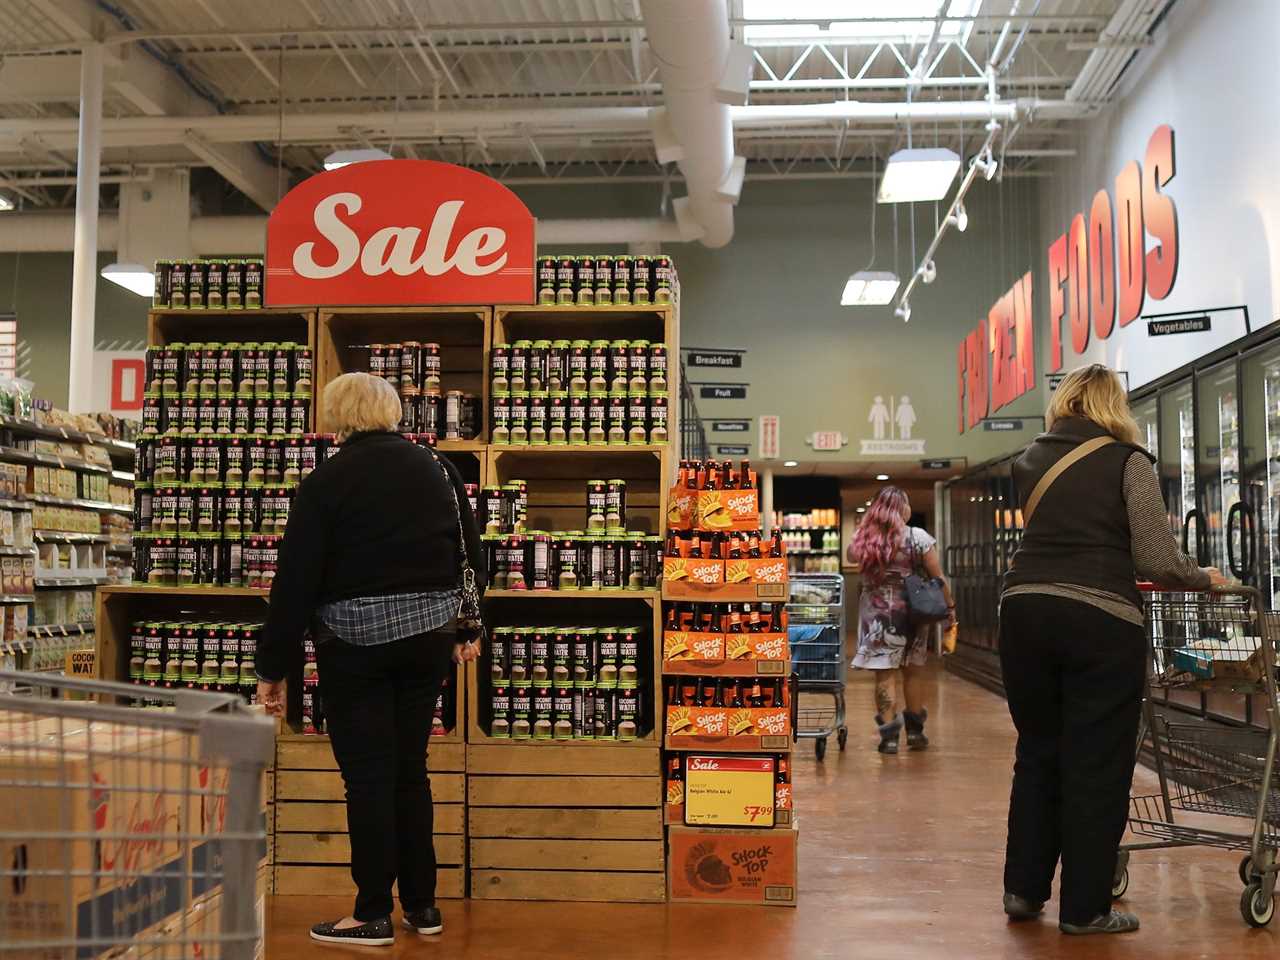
[(756, 867)]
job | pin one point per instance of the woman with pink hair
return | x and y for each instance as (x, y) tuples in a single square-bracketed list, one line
[(887, 551)]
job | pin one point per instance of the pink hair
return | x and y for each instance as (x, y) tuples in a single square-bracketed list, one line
[(879, 535)]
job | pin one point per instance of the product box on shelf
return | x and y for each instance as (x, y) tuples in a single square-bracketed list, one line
[(710, 865), (745, 650)]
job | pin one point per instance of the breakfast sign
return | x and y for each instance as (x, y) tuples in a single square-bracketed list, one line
[(1100, 272), (399, 232)]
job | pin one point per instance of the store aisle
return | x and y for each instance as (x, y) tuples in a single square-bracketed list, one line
[(900, 858)]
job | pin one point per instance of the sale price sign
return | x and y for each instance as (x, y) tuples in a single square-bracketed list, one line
[(729, 791)]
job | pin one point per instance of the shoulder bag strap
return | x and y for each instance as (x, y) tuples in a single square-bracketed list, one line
[(1052, 474), (470, 595)]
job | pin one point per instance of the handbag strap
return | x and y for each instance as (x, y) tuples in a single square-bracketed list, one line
[(468, 584), (1075, 455)]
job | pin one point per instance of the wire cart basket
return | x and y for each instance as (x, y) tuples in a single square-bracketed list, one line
[(1219, 640), (129, 832), (816, 633)]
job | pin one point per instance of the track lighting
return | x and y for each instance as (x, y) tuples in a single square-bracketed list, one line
[(986, 163), (929, 271), (959, 219), (903, 312)]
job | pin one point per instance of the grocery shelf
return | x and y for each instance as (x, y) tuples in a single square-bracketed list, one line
[(17, 551), (120, 551), (15, 505), (14, 455), (61, 629), (146, 590), (806, 529), (656, 449), (461, 446), (753, 743), (32, 429), (17, 598), (648, 596), (725, 592), (125, 475), (57, 536), (67, 583), (725, 668), (103, 505), (242, 312), (649, 740), (810, 553)]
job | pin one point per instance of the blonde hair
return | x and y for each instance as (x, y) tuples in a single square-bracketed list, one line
[(1095, 393), (358, 402)]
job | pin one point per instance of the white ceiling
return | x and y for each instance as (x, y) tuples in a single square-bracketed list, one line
[(369, 60)]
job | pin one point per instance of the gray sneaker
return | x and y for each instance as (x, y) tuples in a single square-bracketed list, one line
[(1113, 922), (1019, 908)]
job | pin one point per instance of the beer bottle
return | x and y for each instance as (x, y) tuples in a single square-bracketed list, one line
[(775, 548), (728, 481), (744, 478), (737, 695), (735, 620), (683, 477), (691, 477), (673, 544), (718, 700), (754, 623), (776, 623), (708, 687), (782, 772), (777, 692), (688, 616), (757, 695), (754, 551), (735, 546), (673, 618), (677, 698), (705, 618), (695, 695), (675, 774), (717, 620)]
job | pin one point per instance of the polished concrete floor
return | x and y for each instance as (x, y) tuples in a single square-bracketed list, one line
[(900, 858)]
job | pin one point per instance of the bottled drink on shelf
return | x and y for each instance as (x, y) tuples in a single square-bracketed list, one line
[(745, 482)]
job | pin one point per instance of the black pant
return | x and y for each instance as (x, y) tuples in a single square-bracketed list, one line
[(1074, 677), (378, 704)]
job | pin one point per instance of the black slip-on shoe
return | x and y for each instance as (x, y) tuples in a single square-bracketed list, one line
[(426, 922), (1020, 908), (375, 933), (1113, 922)]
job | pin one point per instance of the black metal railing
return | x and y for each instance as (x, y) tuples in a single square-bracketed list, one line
[(693, 436)]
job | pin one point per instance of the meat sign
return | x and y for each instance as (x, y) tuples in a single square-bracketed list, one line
[(399, 232), (1100, 273)]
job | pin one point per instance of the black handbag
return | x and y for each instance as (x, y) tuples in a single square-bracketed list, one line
[(470, 622), (926, 599)]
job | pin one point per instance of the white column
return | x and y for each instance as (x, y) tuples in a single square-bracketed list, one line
[(84, 282), (766, 500)]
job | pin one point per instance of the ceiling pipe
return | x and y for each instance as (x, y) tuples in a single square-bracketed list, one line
[(690, 41), (246, 235)]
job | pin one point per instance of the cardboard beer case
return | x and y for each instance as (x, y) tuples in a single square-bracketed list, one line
[(693, 570), (717, 865)]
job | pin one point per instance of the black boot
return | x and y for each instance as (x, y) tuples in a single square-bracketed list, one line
[(889, 733), (916, 740)]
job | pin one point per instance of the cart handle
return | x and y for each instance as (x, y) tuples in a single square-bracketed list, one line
[(1225, 589)]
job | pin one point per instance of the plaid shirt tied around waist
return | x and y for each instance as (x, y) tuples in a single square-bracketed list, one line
[(369, 621)]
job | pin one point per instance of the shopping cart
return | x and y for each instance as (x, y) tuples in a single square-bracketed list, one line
[(1220, 641), (128, 832), (816, 634)]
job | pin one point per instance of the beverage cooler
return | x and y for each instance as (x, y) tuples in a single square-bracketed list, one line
[(1214, 427)]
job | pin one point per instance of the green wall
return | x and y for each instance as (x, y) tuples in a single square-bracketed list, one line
[(774, 292)]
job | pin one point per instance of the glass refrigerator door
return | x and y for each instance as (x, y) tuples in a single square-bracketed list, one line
[(1178, 467), (1219, 463), (1261, 383), (1147, 413)]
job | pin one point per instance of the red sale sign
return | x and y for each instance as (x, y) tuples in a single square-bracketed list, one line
[(399, 232)]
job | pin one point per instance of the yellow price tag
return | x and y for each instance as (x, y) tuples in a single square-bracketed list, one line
[(729, 791)]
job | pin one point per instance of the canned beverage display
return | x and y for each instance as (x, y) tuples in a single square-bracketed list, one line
[(207, 284), (546, 272), (601, 280), (194, 655)]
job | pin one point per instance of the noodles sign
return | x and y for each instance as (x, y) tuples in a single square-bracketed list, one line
[(1100, 273), (399, 232)]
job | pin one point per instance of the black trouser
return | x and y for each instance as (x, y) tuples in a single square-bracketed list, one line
[(1074, 677), (378, 703)]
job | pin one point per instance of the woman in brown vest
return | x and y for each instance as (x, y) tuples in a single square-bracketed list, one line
[(1073, 649)]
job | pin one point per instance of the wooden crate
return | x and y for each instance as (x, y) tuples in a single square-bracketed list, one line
[(565, 821), (312, 850)]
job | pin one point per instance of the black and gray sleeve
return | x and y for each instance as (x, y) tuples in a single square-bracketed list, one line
[(1156, 555)]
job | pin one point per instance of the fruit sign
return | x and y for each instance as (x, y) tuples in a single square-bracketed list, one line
[(399, 232)]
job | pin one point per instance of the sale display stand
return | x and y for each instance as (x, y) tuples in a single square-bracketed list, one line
[(728, 693), (567, 804)]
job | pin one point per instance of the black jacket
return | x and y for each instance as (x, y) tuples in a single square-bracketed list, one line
[(375, 519), (1080, 531)]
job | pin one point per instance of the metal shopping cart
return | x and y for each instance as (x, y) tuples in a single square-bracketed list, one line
[(128, 832), (1220, 641), (816, 633)]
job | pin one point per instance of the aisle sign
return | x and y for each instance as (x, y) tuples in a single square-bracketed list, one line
[(713, 358), (399, 232), (722, 391), (729, 791), (730, 426), (733, 451), (1001, 426), (770, 433), (1162, 328)]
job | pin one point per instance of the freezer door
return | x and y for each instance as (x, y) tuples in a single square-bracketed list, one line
[(1178, 468), (1218, 445), (1261, 460)]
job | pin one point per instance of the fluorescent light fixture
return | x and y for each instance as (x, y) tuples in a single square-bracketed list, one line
[(6, 203), (868, 288), (132, 276), (342, 158), (882, 477), (917, 174), (862, 510), (791, 463)]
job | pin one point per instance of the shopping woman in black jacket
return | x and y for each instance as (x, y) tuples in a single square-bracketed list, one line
[(1073, 650), (371, 563)]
